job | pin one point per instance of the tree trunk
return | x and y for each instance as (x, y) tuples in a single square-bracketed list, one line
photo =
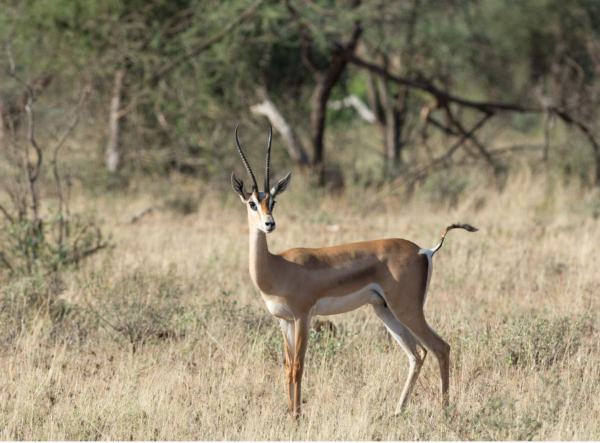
[(392, 129), (3, 125), (597, 161), (317, 121), (374, 99), (320, 95), (375, 102), (291, 140), (113, 151)]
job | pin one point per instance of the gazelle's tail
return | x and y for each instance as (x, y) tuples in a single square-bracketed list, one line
[(454, 226)]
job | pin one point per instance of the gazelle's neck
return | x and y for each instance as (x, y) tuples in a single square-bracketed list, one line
[(261, 260)]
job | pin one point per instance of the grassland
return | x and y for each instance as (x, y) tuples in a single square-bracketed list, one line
[(165, 336)]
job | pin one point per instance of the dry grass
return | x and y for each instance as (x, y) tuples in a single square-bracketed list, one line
[(165, 337)]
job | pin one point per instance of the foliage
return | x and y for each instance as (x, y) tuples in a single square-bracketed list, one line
[(137, 308), (542, 51), (540, 342), (31, 250), (34, 242)]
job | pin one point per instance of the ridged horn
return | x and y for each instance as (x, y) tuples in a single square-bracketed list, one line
[(246, 164), (268, 165)]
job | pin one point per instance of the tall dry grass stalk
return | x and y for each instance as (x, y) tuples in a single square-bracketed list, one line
[(165, 337)]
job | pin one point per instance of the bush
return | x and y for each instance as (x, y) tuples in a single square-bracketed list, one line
[(537, 342), (139, 307), (34, 248)]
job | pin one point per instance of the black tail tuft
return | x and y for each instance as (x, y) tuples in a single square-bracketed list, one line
[(464, 226)]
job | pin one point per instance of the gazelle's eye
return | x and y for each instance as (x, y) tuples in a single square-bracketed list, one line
[(273, 204), (252, 206)]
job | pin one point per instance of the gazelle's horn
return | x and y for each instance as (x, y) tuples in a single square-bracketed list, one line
[(246, 164), (267, 172)]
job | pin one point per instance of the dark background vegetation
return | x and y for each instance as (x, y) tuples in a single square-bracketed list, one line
[(184, 73), (396, 94)]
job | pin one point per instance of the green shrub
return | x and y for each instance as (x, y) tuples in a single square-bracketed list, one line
[(139, 307), (532, 341)]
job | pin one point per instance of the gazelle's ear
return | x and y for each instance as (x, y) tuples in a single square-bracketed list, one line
[(238, 187), (282, 185)]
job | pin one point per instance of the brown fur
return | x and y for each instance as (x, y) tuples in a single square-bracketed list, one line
[(294, 282), (298, 278)]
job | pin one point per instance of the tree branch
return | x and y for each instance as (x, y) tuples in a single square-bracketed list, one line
[(205, 45), (77, 114), (444, 99), (306, 36), (291, 140), (6, 214), (488, 158), (445, 157)]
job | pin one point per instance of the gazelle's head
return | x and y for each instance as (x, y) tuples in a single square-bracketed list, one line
[(259, 204)]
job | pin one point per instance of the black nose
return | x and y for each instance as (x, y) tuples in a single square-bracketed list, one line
[(269, 224)]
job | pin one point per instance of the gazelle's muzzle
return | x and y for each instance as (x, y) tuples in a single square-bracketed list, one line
[(269, 223)]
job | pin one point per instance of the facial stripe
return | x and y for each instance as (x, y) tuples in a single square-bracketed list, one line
[(265, 206)]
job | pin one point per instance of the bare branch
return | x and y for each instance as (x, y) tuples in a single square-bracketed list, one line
[(292, 142), (352, 101), (9, 54), (442, 97), (568, 118), (32, 171), (76, 115), (140, 214), (488, 158), (450, 152), (35, 169), (6, 214), (441, 127), (113, 155), (77, 256)]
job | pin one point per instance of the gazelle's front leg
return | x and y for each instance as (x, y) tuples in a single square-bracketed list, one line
[(301, 345), (289, 339)]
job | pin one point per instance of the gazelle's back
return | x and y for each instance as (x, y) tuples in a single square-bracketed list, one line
[(393, 265), (380, 251)]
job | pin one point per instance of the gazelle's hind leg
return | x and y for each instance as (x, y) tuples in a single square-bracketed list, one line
[(408, 343), (416, 323), (405, 296)]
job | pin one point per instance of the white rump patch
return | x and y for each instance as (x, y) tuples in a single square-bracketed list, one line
[(429, 253)]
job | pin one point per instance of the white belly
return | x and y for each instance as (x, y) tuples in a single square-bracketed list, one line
[(346, 303)]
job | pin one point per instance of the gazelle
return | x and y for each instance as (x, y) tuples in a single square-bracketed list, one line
[(391, 275)]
